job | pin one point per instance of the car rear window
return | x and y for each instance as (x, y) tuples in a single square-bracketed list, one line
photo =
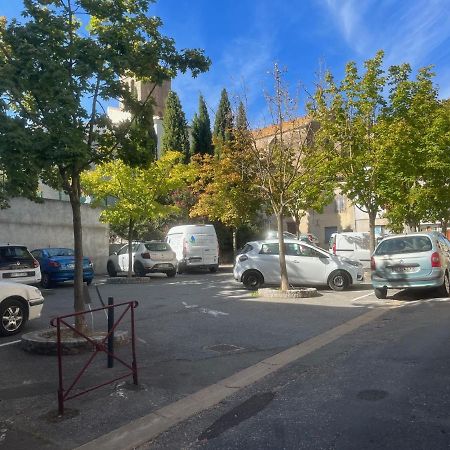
[(247, 248), (404, 244), (14, 253), (157, 246), (60, 252)]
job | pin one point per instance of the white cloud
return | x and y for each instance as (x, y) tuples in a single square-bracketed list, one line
[(407, 31)]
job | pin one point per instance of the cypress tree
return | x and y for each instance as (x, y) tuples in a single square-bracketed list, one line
[(223, 124), (175, 133), (201, 131), (241, 118)]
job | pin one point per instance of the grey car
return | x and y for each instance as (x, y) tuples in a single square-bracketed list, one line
[(416, 260)]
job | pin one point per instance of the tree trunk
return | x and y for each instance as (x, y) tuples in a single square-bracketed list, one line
[(78, 303), (130, 249), (234, 242), (284, 286), (444, 225), (372, 217)]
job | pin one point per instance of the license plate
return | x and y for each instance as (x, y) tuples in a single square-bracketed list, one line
[(164, 265), (403, 269), (18, 274)]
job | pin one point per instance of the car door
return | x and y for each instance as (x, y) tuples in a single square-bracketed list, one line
[(122, 258), (307, 265), (268, 262)]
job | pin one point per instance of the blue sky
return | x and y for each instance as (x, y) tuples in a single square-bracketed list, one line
[(244, 39)]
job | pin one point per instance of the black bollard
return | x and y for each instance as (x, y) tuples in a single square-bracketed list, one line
[(110, 333)]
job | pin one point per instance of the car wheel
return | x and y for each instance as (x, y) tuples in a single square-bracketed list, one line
[(252, 279), (444, 290), (89, 282), (214, 269), (112, 272), (171, 273), (139, 269), (46, 281), (338, 281), (381, 293), (13, 316)]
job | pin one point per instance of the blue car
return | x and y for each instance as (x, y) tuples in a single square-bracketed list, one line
[(58, 264)]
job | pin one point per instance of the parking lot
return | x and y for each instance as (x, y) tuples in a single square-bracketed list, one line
[(192, 331)]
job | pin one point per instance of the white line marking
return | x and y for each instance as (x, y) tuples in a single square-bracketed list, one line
[(9, 343), (213, 312), (362, 296)]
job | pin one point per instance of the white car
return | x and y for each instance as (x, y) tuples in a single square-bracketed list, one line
[(18, 304), (152, 256), (307, 265), (18, 264)]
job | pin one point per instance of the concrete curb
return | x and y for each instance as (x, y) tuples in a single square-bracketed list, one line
[(146, 428)]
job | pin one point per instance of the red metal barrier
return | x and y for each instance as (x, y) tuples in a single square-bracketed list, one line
[(65, 394)]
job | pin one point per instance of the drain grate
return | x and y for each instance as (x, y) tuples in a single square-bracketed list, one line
[(223, 348)]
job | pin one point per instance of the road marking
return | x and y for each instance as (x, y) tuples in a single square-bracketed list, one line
[(362, 296), (10, 343), (146, 428)]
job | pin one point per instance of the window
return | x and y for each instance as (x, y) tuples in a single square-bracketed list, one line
[(406, 244), (60, 252), (269, 249), (12, 253), (123, 250), (157, 246), (292, 249), (247, 248)]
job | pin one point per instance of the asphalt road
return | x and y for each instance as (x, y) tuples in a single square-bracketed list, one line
[(197, 329)]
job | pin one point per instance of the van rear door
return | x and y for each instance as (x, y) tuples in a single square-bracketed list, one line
[(202, 248)]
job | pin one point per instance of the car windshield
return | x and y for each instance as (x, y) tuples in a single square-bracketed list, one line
[(157, 246), (404, 244), (60, 252)]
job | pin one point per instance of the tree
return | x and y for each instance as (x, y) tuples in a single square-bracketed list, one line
[(201, 131), (226, 192), (348, 115), (54, 74), (223, 123), (417, 127), (281, 157), (241, 122), (175, 133), (135, 195)]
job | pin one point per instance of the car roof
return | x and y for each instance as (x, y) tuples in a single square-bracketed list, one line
[(9, 244)]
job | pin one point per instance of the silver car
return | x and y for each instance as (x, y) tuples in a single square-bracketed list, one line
[(416, 260), (307, 265)]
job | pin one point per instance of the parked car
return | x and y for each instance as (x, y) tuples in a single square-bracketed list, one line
[(18, 304), (151, 256), (196, 246), (416, 260), (307, 265), (18, 264), (353, 245), (58, 265)]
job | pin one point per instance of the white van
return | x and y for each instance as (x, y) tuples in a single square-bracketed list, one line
[(351, 245), (196, 246)]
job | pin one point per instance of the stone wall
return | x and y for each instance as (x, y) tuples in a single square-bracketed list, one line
[(49, 224)]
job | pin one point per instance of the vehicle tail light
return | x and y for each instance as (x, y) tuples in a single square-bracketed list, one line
[(435, 260), (373, 266), (334, 248), (243, 258), (35, 263), (184, 248), (310, 237), (145, 255), (91, 264), (52, 263)]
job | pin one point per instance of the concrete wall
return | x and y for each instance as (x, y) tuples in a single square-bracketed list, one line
[(49, 224)]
